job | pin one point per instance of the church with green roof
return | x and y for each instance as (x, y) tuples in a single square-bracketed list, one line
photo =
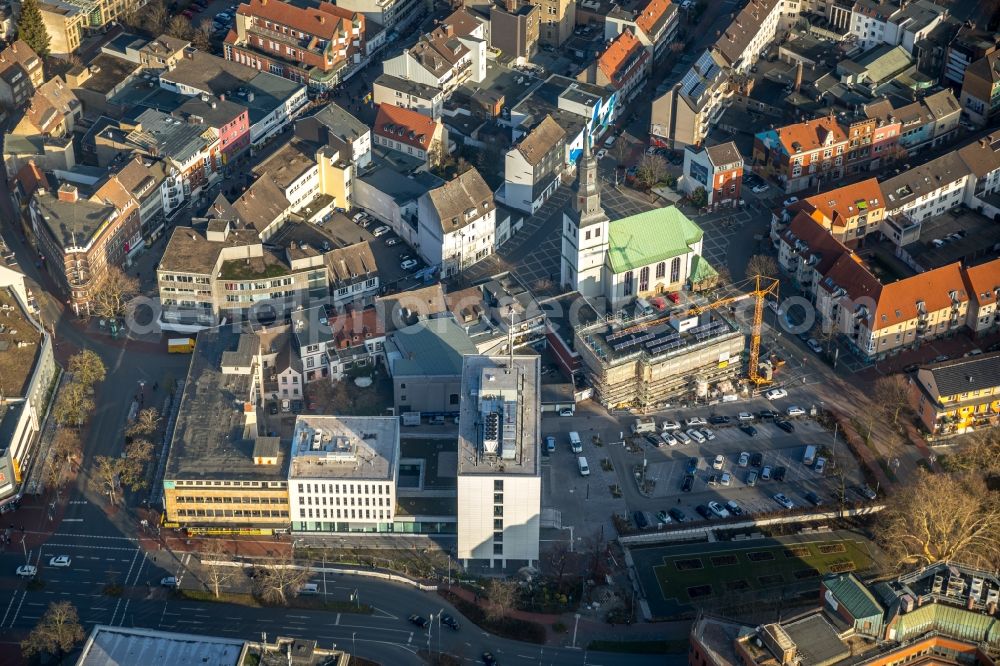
[(639, 256)]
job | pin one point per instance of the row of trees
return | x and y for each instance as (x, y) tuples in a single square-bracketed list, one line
[(75, 402), (111, 474)]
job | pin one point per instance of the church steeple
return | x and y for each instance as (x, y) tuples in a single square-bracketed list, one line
[(587, 193)]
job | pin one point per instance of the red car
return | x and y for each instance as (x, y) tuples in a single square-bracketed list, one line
[(674, 297)]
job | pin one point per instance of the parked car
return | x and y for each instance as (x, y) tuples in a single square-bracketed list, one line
[(692, 465), (749, 429), (169, 581), (682, 437), (707, 433), (449, 621), (814, 345), (784, 501), (719, 462), (820, 465), (760, 189), (813, 498), (26, 571), (779, 474), (550, 444), (726, 479), (670, 425), (734, 508), (713, 481), (688, 483), (787, 426), (695, 421), (60, 561), (677, 515), (766, 414), (718, 419), (663, 517), (567, 411), (694, 434), (756, 459), (789, 201), (765, 473), (654, 440), (668, 439), (381, 231), (419, 620), (640, 520), (776, 394), (718, 509), (744, 459), (751, 478), (704, 511), (409, 264), (865, 491), (795, 410), (744, 417)]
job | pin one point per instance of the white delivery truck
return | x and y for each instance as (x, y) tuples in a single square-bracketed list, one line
[(810, 455), (575, 444), (581, 463), (644, 425)]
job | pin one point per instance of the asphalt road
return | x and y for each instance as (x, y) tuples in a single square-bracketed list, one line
[(385, 635)]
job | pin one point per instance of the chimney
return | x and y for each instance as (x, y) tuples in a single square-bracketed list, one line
[(798, 76), (68, 192), (322, 19), (511, 6)]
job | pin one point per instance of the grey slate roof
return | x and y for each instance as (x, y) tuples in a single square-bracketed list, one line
[(966, 375), (429, 347)]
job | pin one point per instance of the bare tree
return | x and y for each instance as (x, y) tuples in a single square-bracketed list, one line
[(114, 289), (132, 465), (145, 423), (892, 394), (559, 559), (66, 446), (201, 38), (56, 632), (651, 170), (216, 575), (280, 581), (941, 517), (981, 453), (73, 405), (103, 478), (180, 27), (87, 368), (502, 594), (762, 264)]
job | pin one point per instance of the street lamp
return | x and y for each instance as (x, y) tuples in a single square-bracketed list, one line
[(354, 643)]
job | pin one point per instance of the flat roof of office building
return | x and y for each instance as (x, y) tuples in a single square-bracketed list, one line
[(504, 377), (345, 447), (211, 439)]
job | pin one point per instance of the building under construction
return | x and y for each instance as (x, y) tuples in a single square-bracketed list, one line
[(661, 359)]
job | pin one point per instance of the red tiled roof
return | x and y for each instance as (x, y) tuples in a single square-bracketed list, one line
[(651, 14), (323, 22), (931, 287), (983, 282), (406, 126), (810, 135), (30, 177), (819, 240), (354, 327), (838, 205), (619, 52)]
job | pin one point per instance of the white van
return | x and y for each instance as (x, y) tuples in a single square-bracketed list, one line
[(309, 588), (575, 444), (581, 463)]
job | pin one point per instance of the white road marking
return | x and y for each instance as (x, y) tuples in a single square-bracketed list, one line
[(72, 520), (337, 621), (3, 622)]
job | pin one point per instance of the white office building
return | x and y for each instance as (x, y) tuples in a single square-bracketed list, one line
[(343, 471), (499, 474)]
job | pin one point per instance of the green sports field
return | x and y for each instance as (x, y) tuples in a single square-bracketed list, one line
[(700, 573)]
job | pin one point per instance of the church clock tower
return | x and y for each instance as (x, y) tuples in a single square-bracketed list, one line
[(585, 231)]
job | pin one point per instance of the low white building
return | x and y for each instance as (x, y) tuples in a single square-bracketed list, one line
[(457, 223), (499, 469), (342, 475)]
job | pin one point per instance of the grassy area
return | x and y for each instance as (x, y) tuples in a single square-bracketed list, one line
[(697, 576), (640, 647)]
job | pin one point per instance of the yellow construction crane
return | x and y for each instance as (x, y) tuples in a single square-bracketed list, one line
[(762, 287)]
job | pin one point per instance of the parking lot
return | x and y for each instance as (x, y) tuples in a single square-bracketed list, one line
[(666, 466)]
